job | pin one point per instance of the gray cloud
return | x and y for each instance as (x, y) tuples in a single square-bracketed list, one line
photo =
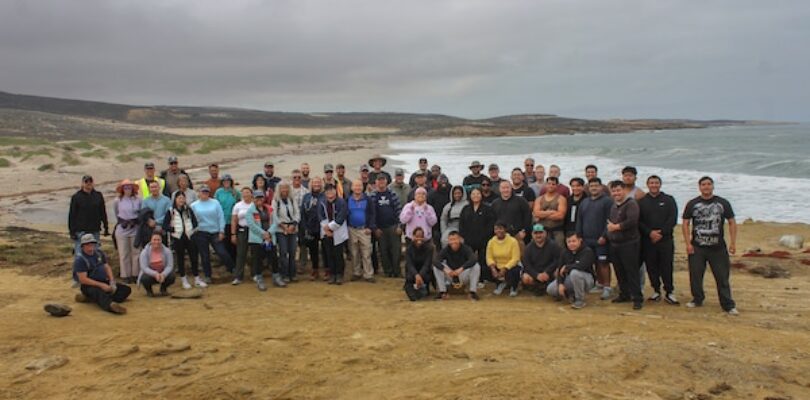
[(598, 59)]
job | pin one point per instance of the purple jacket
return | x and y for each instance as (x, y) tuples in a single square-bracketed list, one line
[(414, 216)]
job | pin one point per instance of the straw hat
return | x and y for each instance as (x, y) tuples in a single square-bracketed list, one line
[(120, 187)]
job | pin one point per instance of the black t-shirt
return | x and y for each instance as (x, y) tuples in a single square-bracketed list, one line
[(708, 218), (525, 192)]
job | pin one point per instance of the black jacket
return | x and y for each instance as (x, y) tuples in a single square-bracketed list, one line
[(515, 213), (537, 260), (626, 215), (463, 258), (87, 212), (476, 227), (582, 260), (573, 213), (658, 212), (438, 199), (419, 261)]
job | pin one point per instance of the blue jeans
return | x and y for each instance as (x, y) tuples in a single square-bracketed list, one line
[(206, 239), (286, 254)]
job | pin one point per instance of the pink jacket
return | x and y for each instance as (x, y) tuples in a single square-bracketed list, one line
[(414, 216)]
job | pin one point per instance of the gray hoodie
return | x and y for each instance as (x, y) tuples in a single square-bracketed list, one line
[(451, 214), (168, 262)]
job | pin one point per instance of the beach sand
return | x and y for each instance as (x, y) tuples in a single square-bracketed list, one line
[(360, 340)]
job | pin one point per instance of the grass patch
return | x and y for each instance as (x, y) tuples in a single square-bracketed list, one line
[(21, 141), (145, 154), (176, 147), (70, 159), (97, 153), (45, 167), (82, 145), (4, 163), (28, 154), (35, 252)]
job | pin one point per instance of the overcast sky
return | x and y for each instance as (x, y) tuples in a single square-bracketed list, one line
[(593, 59)]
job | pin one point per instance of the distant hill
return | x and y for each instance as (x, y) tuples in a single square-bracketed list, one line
[(22, 115)]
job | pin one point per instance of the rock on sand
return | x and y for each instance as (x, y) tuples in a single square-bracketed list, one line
[(794, 242)]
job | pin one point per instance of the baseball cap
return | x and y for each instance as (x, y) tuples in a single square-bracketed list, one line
[(493, 166), (172, 159), (363, 167), (538, 228), (205, 188), (149, 165), (88, 238), (87, 178), (269, 164), (328, 167), (399, 172)]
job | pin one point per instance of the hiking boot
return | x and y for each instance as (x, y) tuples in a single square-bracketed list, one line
[(185, 282), (656, 297), (57, 310), (80, 298), (116, 308), (200, 283), (278, 282), (499, 289), (606, 293), (474, 296), (578, 304), (671, 299), (693, 304), (260, 283), (733, 312), (513, 292)]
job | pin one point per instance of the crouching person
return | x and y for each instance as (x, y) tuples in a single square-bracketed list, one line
[(574, 278), (540, 259), (457, 265), (503, 259), (91, 270), (156, 266), (418, 264)]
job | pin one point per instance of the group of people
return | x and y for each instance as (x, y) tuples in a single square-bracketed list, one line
[(528, 231)]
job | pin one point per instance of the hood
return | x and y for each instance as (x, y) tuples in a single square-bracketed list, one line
[(463, 195)]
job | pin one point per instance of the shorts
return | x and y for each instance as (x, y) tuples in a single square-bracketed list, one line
[(600, 251)]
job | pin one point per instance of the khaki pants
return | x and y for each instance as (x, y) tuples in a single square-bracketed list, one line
[(360, 248), (128, 256)]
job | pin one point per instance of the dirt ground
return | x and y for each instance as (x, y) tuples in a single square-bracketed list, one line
[(361, 340)]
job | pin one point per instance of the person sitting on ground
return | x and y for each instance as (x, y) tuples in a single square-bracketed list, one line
[(97, 283), (574, 278), (458, 265), (156, 266), (418, 264), (503, 257), (540, 259)]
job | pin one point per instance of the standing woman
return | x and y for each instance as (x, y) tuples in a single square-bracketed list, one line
[(259, 183), (287, 215), (126, 208), (181, 224), (261, 239), (477, 226), (451, 214), (227, 196), (184, 186), (239, 233)]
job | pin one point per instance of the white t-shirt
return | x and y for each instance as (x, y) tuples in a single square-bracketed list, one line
[(240, 209)]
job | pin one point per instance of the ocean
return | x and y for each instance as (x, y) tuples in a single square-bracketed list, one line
[(764, 171)]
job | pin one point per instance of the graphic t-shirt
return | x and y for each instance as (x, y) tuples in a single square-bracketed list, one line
[(708, 218)]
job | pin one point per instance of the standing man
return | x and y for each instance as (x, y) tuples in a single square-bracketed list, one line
[(87, 214), (494, 176), (625, 246), (388, 233), (329, 179), (213, 182), (399, 187), (345, 183), (539, 179), (332, 214), (377, 162), (364, 178), (269, 175), (513, 213), (592, 172), (629, 175), (171, 176), (554, 171), (420, 181), (311, 224), (474, 179), (591, 227), (705, 243), (549, 210), (488, 196), (577, 195), (659, 214), (305, 175), (528, 172), (423, 167), (149, 177), (157, 202), (362, 223), (520, 188)]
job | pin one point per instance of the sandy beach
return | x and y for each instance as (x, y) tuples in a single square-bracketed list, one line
[(360, 340)]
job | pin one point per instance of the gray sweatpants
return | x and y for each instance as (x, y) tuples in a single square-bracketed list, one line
[(468, 277), (578, 282)]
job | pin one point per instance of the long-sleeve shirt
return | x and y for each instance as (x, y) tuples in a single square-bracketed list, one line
[(309, 213), (414, 216), (87, 212), (418, 260), (593, 215), (504, 254), (581, 259), (626, 215), (126, 214), (286, 212), (227, 198), (333, 212), (464, 257), (659, 212), (401, 191), (159, 205), (387, 209), (476, 226), (537, 260), (168, 261), (210, 217), (514, 212), (362, 213)]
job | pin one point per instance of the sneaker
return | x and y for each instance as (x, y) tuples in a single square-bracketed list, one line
[(116, 308), (200, 283), (596, 289), (655, 297), (236, 281), (637, 305), (499, 289), (606, 293), (474, 296), (733, 312), (293, 279), (579, 304), (693, 304), (260, 283), (513, 292), (286, 279), (80, 298), (481, 285), (671, 299), (185, 282), (278, 282), (74, 285)]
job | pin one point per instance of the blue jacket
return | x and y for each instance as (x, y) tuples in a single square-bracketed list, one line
[(310, 221), (386, 208), (365, 206), (254, 224), (593, 215)]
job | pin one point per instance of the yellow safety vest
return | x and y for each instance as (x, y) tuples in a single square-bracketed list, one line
[(143, 186)]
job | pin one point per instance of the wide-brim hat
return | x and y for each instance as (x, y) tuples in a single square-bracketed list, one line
[(120, 187), (476, 164), (377, 157), (87, 238)]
